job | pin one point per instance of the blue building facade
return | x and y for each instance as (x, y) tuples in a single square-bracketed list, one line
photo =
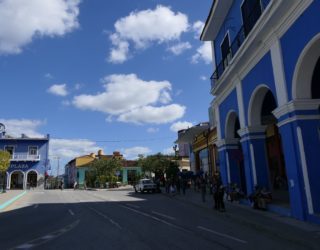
[(29, 160), (266, 84)]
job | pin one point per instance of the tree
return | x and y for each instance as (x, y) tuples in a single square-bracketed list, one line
[(103, 170), (4, 165), (157, 164)]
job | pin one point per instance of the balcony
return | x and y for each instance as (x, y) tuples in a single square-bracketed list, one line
[(242, 34), (24, 157)]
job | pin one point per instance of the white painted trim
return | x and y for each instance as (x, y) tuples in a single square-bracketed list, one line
[(217, 113), (298, 118), (14, 171), (33, 147), (254, 173), (274, 22), (253, 137), (305, 171), (230, 121), (252, 129), (278, 73), (228, 168), (303, 72), (298, 104), (240, 104), (255, 105)]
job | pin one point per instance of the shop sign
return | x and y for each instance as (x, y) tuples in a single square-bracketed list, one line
[(19, 165)]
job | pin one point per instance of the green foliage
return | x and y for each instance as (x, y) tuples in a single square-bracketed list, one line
[(158, 164), (102, 171), (4, 160)]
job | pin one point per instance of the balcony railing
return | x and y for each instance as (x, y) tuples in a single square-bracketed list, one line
[(238, 40), (24, 157)]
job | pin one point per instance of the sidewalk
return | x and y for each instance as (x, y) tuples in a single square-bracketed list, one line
[(244, 213), (9, 197)]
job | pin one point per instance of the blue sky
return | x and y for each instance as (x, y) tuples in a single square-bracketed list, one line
[(96, 74)]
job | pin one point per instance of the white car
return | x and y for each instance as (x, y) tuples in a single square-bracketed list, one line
[(145, 185)]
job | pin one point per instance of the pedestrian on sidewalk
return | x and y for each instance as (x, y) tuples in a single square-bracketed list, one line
[(203, 187), (184, 186)]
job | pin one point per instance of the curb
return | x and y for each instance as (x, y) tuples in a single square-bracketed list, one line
[(9, 202)]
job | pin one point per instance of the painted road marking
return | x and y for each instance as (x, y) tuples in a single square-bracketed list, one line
[(41, 240), (222, 235), (70, 211), (9, 202), (163, 215), (134, 206), (155, 218), (106, 217)]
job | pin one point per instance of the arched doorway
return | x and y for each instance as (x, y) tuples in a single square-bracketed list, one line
[(260, 113), (32, 179), (237, 171), (16, 180)]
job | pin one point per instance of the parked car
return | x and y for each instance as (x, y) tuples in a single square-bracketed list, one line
[(145, 185)]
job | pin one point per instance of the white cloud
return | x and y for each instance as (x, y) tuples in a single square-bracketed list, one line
[(132, 100), (157, 115), (197, 27), (203, 78), (132, 153), (168, 151), (26, 20), (142, 28), (16, 127), (175, 127), (180, 48), (58, 89), (71, 148), (153, 130), (204, 53)]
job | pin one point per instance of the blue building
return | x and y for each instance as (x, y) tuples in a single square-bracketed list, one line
[(266, 88), (29, 160)]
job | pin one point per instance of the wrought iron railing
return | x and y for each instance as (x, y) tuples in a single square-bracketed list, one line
[(239, 39)]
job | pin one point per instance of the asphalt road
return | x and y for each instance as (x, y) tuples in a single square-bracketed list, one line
[(121, 219)]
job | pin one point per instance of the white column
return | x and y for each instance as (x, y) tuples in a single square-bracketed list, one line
[(240, 105), (278, 72), (305, 171), (254, 173), (228, 168), (217, 113)]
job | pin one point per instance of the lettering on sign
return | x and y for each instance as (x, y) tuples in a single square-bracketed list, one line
[(19, 165)]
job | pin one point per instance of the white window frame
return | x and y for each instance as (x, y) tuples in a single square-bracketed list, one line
[(37, 150)]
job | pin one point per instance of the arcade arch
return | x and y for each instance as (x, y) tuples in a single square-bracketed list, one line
[(16, 179), (261, 105), (32, 179), (237, 171)]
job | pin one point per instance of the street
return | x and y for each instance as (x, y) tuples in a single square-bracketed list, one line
[(122, 219)]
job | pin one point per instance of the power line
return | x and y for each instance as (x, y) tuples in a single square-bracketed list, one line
[(122, 140)]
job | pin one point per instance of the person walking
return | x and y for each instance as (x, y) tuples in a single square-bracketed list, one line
[(203, 187)]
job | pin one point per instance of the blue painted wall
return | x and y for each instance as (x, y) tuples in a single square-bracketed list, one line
[(261, 73), (230, 103), (293, 44)]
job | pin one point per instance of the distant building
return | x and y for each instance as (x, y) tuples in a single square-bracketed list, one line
[(201, 154), (266, 88), (75, 170), (29, 160)]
